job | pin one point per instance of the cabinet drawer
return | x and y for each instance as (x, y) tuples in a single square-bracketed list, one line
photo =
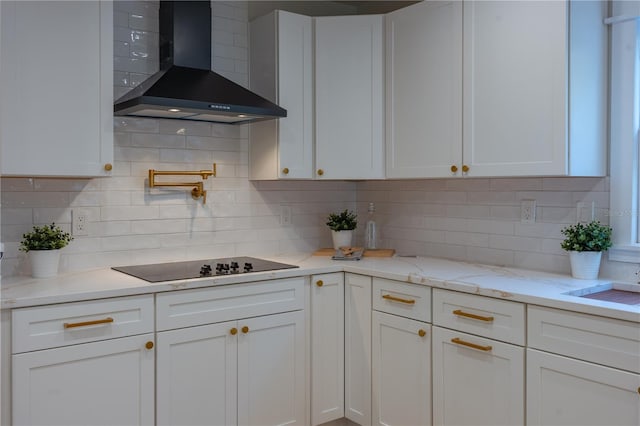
[(601, 340), (66, 324), (398, 298), (210, 305), (484, 316)]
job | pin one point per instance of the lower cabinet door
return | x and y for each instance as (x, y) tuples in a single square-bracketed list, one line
[(401, 358), (565, 391), (197, 375), (271, 370), (327, 347), (476, 381), (108, 382)]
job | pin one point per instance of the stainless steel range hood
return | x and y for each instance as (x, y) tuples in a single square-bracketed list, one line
[(185, 88)]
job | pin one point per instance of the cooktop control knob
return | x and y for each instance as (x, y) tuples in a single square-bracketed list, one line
[(219, 268), (248, 267), (234, 267), (205, 270)]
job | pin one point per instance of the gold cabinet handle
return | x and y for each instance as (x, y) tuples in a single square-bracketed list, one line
[(422, 333), (245, 329), (319, 283), (454, 169), (461, 313), (87, 323), (233, 331), (285, 171), (320, 172), (398, 299), (465, 168), (108, 167), (149, 345), (459, 341)]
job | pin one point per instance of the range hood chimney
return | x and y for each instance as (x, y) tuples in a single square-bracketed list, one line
[(185, 88)]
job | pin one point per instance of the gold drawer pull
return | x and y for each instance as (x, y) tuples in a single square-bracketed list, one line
[(319, 283), (245, 329), (461, 313), (149, 345), (233, 331), (422, 333), (459, 341), (87, 323), (398, 299)]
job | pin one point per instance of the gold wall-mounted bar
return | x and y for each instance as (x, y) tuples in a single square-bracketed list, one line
[(196, 192)]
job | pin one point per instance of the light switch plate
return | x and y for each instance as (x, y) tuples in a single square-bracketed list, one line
[(528, 211)]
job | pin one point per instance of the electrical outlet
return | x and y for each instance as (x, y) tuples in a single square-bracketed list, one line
[(528, 211), (285, 215), (79, 222), (585, 212)]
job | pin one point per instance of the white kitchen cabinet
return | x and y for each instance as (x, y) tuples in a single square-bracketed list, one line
[(357, 351), (581, 369), (566, 391), (477, 379), (281, 70), (84, 363), (240, 358), (494, 88), (424, 89), (349, 97), (535, 88), (327, 347), (401, 382), (56, 77)]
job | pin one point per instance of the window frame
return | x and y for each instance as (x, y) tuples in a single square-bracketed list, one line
[(624, 156)]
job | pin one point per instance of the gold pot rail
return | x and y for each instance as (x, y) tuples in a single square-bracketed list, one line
[(196, 192)]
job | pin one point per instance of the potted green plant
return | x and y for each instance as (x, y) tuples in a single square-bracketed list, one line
[(585, 244), (342, 225), (43, 245)]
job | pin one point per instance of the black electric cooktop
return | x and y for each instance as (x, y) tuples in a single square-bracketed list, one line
[(172, 271)]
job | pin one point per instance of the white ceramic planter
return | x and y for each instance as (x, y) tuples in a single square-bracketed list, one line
[(341, 238), (44, 263), (585, 265)]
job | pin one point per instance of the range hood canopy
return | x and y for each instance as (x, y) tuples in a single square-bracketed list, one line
[(185, 88)]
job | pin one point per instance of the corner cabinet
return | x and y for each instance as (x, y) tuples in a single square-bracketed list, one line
[(532, 76), (56, 77), (349, 97), (282, 71)]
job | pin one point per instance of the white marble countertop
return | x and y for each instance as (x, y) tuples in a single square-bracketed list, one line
[(519, 285)]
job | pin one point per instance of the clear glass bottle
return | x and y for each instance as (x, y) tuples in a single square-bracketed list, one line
[(371, 231)]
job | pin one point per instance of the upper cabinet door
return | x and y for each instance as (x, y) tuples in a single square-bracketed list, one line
[(349, 94), (56, 77), (424, 89), (282, 71), (515, 88)]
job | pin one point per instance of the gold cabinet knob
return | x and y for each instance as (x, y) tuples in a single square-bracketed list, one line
[(454, 169), (149, 345), (285, 171), (245, 329), (108, 167), (422, 333), (320, 172), (319, 283), (465, 168), (233, 331)]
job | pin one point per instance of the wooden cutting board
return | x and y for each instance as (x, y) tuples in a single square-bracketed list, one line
[(367, 253)]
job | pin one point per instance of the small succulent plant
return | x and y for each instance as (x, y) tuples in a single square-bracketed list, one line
[(344, 221), (46, 237), (592, 236)]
